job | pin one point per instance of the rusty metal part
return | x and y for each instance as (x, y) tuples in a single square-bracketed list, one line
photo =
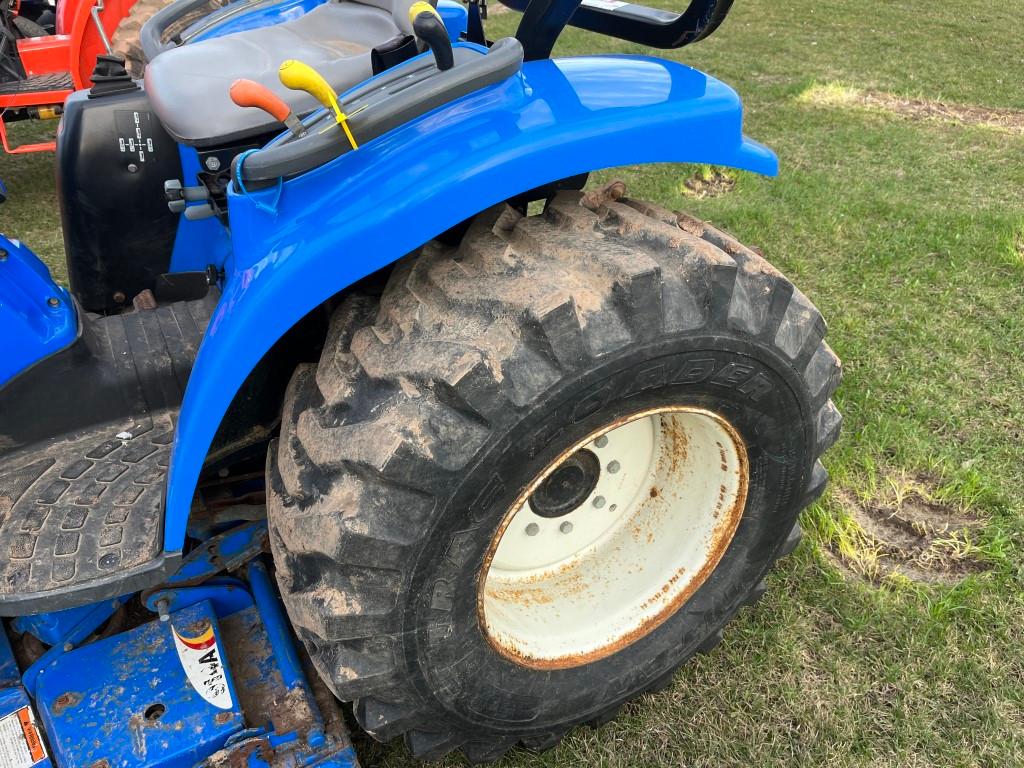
[(144, 301), (727, 521)]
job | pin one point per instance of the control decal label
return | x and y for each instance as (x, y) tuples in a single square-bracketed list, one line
[(135, 134), (203, 662), (20, 743)]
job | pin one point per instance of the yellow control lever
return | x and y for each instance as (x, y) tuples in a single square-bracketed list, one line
[(428, 26), (301, 77), (421, 6)]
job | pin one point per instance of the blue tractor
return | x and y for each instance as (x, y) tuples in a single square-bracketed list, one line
[(359, 394)]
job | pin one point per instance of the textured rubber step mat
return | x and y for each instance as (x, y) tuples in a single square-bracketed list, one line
[(85, 442), (85, 510), (55, 81)]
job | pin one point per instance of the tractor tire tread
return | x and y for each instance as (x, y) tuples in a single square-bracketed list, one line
[(462, 340)]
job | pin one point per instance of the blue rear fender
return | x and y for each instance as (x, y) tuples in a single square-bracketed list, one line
[(368, 208)]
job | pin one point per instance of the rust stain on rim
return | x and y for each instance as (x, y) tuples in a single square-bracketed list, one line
[(722, 536)]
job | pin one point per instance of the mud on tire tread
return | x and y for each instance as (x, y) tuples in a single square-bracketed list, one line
[(463, 340), (126, 39)]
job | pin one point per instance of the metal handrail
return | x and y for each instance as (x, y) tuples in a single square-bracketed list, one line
[(544, 20)]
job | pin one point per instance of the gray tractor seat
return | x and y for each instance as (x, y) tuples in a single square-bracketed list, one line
[(188, 86)]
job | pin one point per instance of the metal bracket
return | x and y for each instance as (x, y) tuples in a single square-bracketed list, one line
[(95, 13)]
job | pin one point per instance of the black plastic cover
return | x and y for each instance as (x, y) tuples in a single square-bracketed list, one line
[(113, 157)]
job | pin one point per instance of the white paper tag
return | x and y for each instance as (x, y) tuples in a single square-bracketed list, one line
[(20, 743), (203, 662)]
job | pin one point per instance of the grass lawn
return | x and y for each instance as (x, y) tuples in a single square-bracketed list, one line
[(903, 219)]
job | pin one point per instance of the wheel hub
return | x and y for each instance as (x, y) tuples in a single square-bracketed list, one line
[(568, 486), (613, 537)]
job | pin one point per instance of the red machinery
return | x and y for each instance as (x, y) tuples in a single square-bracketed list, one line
[(38, 69)]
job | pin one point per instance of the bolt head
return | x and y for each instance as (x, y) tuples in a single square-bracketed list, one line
[(565, 527), (598, 502), (53, 301), (213, 163), (614, 467), (532, 529), (601, 442), (133, 168)]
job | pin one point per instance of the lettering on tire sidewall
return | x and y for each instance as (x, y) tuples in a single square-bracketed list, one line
[(478, 685)]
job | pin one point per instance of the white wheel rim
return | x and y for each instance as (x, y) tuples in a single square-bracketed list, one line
[(563, 591)]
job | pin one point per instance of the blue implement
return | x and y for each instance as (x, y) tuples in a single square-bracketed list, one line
[(214, 680), (159, 696)]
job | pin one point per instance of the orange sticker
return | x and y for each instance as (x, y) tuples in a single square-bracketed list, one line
[(32, 740), (20, 743)]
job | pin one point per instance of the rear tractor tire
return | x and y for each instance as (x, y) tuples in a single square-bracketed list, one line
[(126, 40), (545, 470)]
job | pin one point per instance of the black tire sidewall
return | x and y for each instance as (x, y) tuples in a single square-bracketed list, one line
[(447, 655)]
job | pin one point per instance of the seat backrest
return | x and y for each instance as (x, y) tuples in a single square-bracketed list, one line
[(398, 8)]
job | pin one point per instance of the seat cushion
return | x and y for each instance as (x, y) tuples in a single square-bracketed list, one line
[(188, 86)]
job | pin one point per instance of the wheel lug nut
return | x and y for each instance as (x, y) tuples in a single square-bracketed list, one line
[(601, 442), (598, 501), (532, 529), (565, 527), (614, 467)]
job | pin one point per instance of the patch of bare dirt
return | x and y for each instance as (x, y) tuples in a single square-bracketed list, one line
[(908, 533), (922, 109), (1008, 120), (708, 184)]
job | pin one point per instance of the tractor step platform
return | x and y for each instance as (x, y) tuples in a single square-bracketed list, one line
[(38, 91), (52, 81), (85, 443)]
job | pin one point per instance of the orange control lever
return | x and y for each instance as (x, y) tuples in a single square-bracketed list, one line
[(247, 93)]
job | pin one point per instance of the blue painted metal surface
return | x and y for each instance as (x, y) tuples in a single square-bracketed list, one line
[(277, 626), (225, 552), (367, 208), (129, 701), (169, 693), (289, 733), (455, 18), (227, 598), (37, 316), (52, 628), (9, 674), (204, 242), (88, 621), (19, 726), (225, 22)]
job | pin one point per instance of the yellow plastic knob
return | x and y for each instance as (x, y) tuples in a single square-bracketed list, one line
[(421, 7), (302, 77)]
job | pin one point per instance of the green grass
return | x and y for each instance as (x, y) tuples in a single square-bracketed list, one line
[(908, 235)]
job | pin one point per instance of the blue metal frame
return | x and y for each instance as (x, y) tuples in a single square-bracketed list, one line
[(367, 208), (201, 242), (37, 316)]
